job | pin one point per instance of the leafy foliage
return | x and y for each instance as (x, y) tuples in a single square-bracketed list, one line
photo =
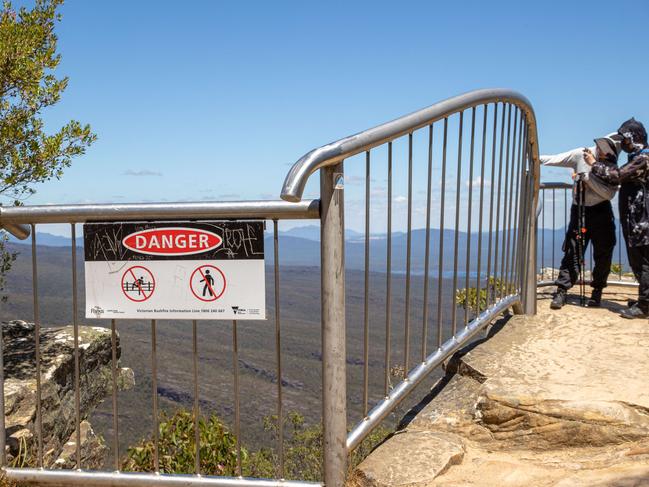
[(177, 447), (218, 455), (28, 85), (478, 303)]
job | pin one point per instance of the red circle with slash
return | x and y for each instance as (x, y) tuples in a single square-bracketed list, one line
[(138, 289), (208, 287)]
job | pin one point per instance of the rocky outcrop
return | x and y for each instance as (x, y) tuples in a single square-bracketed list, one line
[(57, 392), (558, 399)]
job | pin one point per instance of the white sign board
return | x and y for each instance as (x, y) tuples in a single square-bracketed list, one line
[(175, 270)]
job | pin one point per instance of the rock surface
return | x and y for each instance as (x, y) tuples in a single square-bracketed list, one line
[(558, 399), (57, 392)]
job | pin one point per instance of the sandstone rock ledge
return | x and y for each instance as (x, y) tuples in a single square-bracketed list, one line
[(560, 399), (57, 392)]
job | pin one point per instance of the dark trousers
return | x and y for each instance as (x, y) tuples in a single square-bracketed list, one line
[(639, 262), (600, 231)]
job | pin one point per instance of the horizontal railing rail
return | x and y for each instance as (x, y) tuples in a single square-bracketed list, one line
[(26, 215), (332, 153), (62, 478)]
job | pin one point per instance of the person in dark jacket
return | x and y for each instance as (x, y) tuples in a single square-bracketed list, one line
[(599, 219), (633, 201)]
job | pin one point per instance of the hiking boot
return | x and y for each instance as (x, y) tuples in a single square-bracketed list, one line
[(559, 299), (634, 311), (595, 299)]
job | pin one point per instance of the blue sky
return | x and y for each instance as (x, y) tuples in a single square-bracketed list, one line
[(215, 100)]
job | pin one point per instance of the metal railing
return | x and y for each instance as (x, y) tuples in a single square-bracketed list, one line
[(17, 217), (485, 146), (553, 215), (512, 149)]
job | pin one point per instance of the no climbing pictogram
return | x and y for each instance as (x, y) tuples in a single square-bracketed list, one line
[(207, 283), (138, 283)]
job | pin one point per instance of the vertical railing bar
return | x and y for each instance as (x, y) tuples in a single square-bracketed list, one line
[(278, 354), (3, 430), (424, 324), (388, 278), (237, 405), (334, 376), (440, 266), (527, 211), (542, 231), (37, 349), (522, 133), (154, 387), (505, 206), (75, 325), (406, 351), (482, 183), (113, 366), (491, 199), (512, 162), (457, 223), (366, 307), (553, 229), (496, 290), (197, 410), (468, 225), (515, 274)]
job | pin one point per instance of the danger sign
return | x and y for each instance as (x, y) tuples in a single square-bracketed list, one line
[(173, 270)]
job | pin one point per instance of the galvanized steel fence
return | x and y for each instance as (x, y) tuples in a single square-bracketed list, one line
[(481, 177)]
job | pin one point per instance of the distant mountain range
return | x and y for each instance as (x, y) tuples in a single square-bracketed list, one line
[(300, 246), (44, 238)]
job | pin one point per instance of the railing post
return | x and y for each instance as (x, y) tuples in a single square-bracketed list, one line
[(528, 286), (3, 431), (334, 394)]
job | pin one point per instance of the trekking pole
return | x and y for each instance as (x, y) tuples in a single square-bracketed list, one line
[(581, 231)]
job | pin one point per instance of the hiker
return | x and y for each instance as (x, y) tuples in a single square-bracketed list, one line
[(633, 178), (599, 220)]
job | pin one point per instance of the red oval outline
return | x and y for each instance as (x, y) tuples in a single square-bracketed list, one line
[(151, 230)]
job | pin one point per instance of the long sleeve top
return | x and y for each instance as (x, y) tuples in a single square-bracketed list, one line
[(596, 190)]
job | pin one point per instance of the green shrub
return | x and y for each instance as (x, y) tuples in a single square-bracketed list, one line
[(302, 449), (177, 447), (616, 268), (468, 298)]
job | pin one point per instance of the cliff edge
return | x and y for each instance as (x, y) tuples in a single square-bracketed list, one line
[(557, 399), (57, 392)]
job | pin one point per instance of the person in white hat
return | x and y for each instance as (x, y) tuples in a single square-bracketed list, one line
[(599, 219)]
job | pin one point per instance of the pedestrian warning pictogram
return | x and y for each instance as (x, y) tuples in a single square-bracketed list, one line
[(138, 283), (207, 283)]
